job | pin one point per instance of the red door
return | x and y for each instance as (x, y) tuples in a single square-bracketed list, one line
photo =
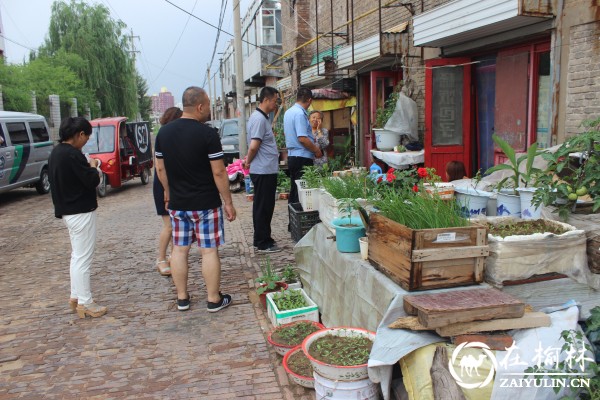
[(376, 88), (448, 113)]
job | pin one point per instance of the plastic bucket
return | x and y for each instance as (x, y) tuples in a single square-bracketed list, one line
[(508, 205), (346, 237), (363, 389), (363, 242), (472, 203), (528, 210), (386, 140)]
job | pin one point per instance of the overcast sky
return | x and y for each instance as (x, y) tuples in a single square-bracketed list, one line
[(159, 26)]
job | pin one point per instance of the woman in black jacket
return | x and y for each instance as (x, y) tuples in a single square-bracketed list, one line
[(73, 180)]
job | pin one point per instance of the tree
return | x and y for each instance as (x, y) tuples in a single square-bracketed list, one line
[(13, 95), (108, 70), (144, 101)]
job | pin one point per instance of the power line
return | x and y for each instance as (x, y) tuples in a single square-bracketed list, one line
[(17, 43), (225, 32), (176, 44), (221, 17)]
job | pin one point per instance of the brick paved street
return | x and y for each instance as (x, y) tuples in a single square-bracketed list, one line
[(143, 348)]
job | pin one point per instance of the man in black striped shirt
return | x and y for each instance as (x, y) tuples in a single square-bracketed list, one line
[(189, 164)]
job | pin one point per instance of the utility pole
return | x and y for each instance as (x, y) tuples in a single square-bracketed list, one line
[(209, 92), (239, 78), (215, 93), (133, 51), (223, 100)]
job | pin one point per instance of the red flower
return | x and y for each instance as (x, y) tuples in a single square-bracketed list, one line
[(422, 172), (391, 171), (415, 189), (390, 177), (379, 179)]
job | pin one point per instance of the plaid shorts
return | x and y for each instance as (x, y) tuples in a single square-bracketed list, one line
[(206, 226)]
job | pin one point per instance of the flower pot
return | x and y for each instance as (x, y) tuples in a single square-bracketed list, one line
[(508, 205), (283, 196), (472, 202), (283, 348), (337, 372), (528, 210), (347, 232), (263, 296), (444, 190), (364, 247), (306, 381), (250, 197), (280, 317), (386, 140)]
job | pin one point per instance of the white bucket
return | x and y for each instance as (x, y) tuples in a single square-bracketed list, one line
[(528, 210), (473, 203), (386, 140), (363, 389), (508, 205), (364, 247)]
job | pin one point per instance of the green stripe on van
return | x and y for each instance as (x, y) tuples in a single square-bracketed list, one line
[(16, 161), (42, 144)]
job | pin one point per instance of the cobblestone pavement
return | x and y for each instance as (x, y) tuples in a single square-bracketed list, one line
[(143, 348)]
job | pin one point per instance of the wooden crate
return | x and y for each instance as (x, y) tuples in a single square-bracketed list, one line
[(427, 258)]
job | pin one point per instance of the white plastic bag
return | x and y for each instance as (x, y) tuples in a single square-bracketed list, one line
[(404, 120)]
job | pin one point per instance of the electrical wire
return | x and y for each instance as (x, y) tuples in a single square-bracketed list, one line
[(176, 44), (221, 17)]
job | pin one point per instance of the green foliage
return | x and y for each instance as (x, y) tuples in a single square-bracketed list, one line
[(144, 101), (289, 300), (528, 176), (382, 115), (350, 186), (574, 174), (284, 183), (312, 175), (294, 334), (289, 274), (418, 211), (269, 277), (573, 348), (108, 70), (341, 350)]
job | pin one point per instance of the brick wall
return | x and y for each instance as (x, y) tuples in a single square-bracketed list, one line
[(583, 77)]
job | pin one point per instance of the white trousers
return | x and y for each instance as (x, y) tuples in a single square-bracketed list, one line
[(82, 231)]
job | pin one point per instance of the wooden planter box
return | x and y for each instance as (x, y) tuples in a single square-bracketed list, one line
[(427, 258)]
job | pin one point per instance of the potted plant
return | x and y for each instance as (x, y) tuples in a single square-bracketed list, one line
[(283, 185), (356, 187), (280, 141), (288, 305), (285, 337), (298, 367), (409, 228), (309, 187), (508, 203), (291, 277), (576, 164), (348, 229), (339, 354), (386, 140), (268, 282)]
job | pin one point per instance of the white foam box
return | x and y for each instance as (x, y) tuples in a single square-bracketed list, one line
[(277, 317)]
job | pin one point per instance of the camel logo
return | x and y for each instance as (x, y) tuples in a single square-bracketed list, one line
[(469, 377)]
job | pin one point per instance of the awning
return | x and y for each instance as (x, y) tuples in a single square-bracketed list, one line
[(329, 105), (462, 21)]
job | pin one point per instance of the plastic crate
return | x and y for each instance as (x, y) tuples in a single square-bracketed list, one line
[(309, 198), (301, 221), (277, 317)]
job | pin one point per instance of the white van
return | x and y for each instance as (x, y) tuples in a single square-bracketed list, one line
[(25, 147)]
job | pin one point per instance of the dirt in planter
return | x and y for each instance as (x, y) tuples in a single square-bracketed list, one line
[(300, 365), (339, 350), (524, 227), (293, 335)]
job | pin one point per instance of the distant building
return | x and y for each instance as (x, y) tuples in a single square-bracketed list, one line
[(163, 101)]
